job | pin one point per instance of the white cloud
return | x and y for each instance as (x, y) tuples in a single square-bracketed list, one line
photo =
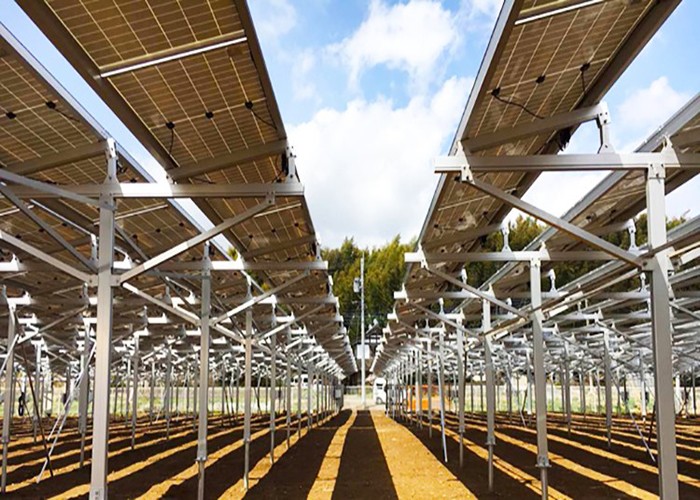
[(410, 37), (644, 110), (489, 8), (273, 18), (367, 168)]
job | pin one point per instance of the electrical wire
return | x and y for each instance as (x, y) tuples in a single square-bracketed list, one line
[(269, 124), (510, 102)]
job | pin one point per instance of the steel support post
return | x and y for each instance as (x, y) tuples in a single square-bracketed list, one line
[(460, 390), (420, 386), (203, 372), (362, 331), (441, 389), (608, 386), (168, 390), (247, 400), (661, 334), (9, 392), (695, 407), (299, 396), (37, 377), (567, 390), (127, 391), (309, 385), (582, 390), (288, 398), (430, 386), (151, 396), (540, 374), (135, 395), (84, 393), (273, 389), (103, 347), (490, 389), (643, 388)]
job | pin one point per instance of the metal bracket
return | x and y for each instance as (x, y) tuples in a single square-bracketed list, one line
[(656, 171), (603, 120)]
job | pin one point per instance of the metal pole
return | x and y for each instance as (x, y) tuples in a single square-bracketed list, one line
[(608, 386), (540, 374), (273, 389), (643, 389), (203, 372), (100, 426), (288, 399), (168, 394), (661, 334), (84, 394), (152, 390), (362, 328), (420, 387), (430, 386), (135, 397), (309, 378), (460, 390), (490, 389), (247, 392), (567, 390), (299, 396), (441, 381), (9, 391)]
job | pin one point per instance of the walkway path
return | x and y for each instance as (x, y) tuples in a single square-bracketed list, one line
[(359, 454)]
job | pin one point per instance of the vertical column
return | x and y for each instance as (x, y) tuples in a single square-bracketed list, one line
[(299, 396), (460, 389), (247, 392), (540, 375), (309, 381), (273, 388), (567, 390), (362, 330), (84, 392), (151, 396), (135, 395), (661, 333), (490, 388), (103, 347), (643, 388), (168, 393), (441, 388), (608, 386), (9, 391), (205, 314), (430, 385), (420, 385), (288, 384)]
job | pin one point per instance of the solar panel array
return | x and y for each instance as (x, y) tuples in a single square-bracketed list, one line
[(191, 85)]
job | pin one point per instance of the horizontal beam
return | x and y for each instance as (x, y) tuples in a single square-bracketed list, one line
[(159, 190), (547, 125), (59, 159), (564, 162), (507, 256), (229, 160)]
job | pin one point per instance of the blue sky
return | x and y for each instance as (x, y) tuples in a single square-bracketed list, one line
[(371, 91)]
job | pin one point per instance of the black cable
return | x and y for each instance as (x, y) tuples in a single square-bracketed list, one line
[(72, 118), (172, 139), (249, 106), (516, 104)]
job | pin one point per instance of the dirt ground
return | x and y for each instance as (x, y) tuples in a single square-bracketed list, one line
[(359, 454)]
